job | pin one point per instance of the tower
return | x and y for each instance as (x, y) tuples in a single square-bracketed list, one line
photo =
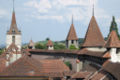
[(50, 45), (31, 45), (13, 34), (93, 39), (113, 45), (72, 37)]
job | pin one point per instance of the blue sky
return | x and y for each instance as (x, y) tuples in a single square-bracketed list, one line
[(39, 19)]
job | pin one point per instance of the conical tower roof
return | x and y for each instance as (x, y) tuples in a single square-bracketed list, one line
[(72, 33), (93, 36), (13, 28), (113, 40)]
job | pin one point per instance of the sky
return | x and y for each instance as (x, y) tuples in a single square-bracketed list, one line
[(39, 19)]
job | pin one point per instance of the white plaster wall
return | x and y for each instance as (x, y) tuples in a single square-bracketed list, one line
[(74, 43), (19, 56), (50, 48), (79, 66), (114, 57), (17, 41), (97, 49), (13, 58)]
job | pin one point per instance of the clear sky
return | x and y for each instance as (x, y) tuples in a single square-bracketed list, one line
[(39, 19)]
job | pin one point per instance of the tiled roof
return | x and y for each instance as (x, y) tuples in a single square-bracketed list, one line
[(112, 68), (49, 43), (72, 33), (22, 67), (27, 66), (53, 65), (93, 36), (99, 75), (2, 63), (13, 27), (53, 51), (12, 48), (113, 40), (85, 51), (107, 55), (82, 75)]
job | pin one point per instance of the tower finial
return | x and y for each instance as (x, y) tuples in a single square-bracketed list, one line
[(93, 10), (72, 18), (13, 5)]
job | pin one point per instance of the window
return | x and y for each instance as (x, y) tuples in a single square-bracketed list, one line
[(72, 41), (13, 31), (13, 39)]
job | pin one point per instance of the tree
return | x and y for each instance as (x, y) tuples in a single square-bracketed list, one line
[(113, 26), (40, 46), (68, 64), (72, 47), (58, 46)]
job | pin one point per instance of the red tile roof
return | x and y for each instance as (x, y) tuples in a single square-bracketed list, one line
[(107, 55), (49, 43), (27, 66), (72, 33), (85, 51), (12, 48), (2, 63), (113, 40), (13, 26), (93, 36)]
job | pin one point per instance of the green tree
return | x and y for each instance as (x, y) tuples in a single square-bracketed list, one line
[(59, 46), (40, 46), (1, 51), (113, 26), (68, 64), (72, 47)]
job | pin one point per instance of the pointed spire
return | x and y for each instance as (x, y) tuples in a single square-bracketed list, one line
[(72, 33), (93, 10), (13, 5), (13, 28), (72, 19), (93, 36)]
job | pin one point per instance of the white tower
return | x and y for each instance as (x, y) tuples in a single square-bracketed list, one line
[(13, 34), (50, 45), (72, 38)]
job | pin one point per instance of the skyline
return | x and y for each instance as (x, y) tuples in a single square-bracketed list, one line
[(56, 14)]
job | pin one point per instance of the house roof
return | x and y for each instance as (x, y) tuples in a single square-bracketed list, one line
[(98, 75), (49, 43), (12, 48), (93, 37), (85, 51), (72, 33), (113, 40), (82, 75), (112, 68), (13, 27), (27, 66)]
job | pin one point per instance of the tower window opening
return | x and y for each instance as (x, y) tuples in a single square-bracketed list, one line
[(13, 39)]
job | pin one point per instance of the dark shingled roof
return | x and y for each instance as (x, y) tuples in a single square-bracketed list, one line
[(93, 36), (72, 33), (13, 27), (112, 68), (113, 40)]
